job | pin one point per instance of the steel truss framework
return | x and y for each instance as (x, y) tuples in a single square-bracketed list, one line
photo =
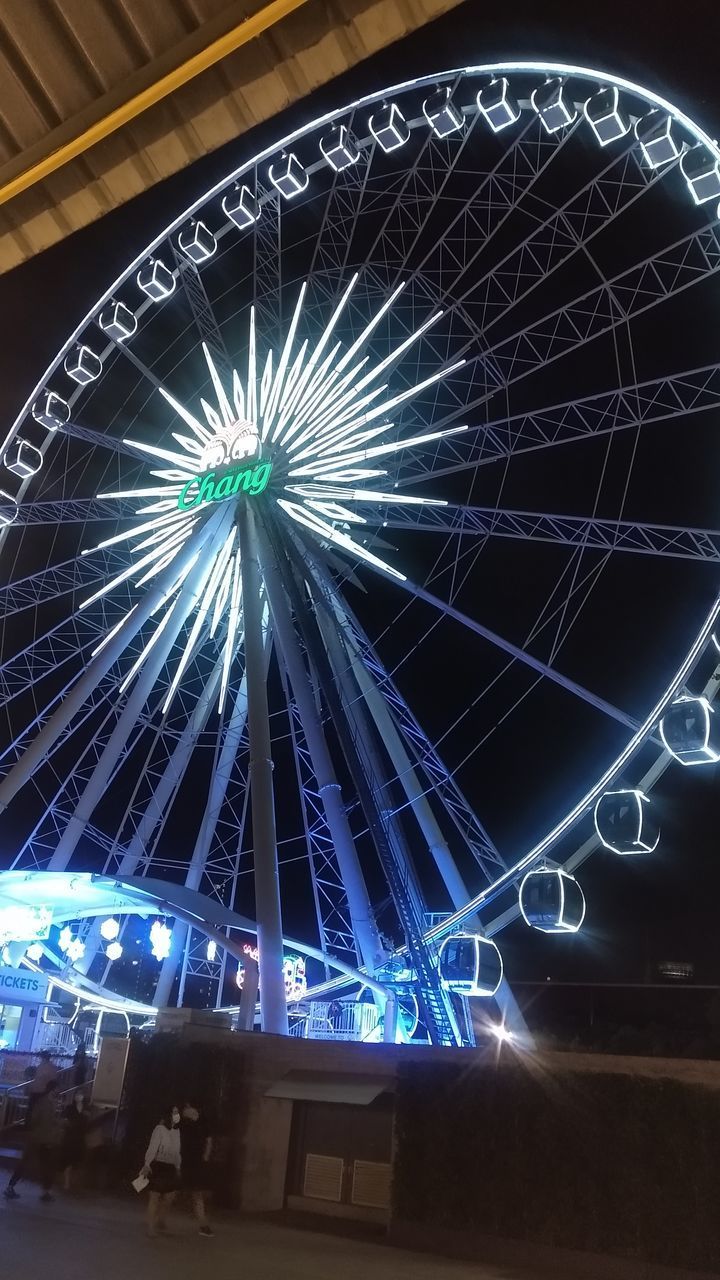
[(418, 296)]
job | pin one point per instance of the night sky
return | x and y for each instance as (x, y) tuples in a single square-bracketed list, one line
[(640, 911)]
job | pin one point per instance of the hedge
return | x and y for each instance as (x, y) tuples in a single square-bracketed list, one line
[(614, 1164)]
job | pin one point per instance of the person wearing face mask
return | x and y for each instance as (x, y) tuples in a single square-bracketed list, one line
[(162, 1168), (196, 1148)]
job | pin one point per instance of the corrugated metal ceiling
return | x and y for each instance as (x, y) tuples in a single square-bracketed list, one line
[(65, 64)]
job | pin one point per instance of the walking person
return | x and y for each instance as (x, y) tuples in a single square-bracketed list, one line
[(44, 1135), (72, 1152), (44, 1073), (162, 1167), (196, 1148)]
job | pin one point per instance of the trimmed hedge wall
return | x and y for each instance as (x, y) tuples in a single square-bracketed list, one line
[(165, 1071), (606, 1163)]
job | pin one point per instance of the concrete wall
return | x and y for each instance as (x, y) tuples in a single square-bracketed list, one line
[(263, 1144), (264, 1166)]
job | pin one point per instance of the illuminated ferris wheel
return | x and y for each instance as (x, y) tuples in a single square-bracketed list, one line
[(359, 568)]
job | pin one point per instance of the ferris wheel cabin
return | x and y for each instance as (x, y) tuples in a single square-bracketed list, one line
[(552, 901), (624, 823), (470, 965), (690, 731)]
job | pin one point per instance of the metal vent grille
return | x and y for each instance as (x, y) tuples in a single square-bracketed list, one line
[(323, 1178), (371, 1184)]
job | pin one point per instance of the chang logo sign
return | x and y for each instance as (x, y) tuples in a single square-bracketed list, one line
[(214, 488)]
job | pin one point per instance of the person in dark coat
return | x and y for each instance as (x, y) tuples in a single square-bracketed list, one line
[(80, 1065), (72, 1153), (44, 1136), (196, 1148)]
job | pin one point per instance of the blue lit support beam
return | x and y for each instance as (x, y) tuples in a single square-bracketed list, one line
[(96, 669), (150, 672), (405, 768), (267, 882), (437, 1014), (158, 806), (357, 710), (572, 531), (408, 736), (417, 796), (364, 927), (217, 792)]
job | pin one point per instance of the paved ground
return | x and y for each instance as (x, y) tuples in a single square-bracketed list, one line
[(73, 1239)]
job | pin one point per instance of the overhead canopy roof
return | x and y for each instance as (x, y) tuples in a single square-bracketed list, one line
[(66, 65), (77, 895), (314, 1086)]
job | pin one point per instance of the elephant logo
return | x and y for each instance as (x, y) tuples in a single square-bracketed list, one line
[(230, 444)]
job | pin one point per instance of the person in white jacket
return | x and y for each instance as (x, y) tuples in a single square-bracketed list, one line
[(162, 1167)]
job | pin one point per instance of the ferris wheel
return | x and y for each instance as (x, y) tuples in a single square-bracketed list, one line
[(359, 567)]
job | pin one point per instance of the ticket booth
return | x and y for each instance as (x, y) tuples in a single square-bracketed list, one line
[(22, 995)]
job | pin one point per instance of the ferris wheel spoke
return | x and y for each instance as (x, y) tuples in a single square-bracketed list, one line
[(74, 511), (572, 531), (72, 638), (100, 439), (494, 199), (633, 405), (218, 839), (202, 312), (601, 310), (542, 251), (411, 201), (557, 238), (74, 574), (572, 686), (161, 775), (596, 313)]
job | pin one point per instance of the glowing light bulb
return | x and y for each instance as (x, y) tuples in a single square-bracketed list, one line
[(110, 928), (114, 951), (160, 940), (211, 950), (65, 939), (35, 952), (76, 950)]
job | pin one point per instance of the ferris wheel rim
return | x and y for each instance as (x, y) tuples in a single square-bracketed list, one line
[(493, 68)]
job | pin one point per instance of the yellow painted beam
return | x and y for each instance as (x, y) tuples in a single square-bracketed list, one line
[(246, 31)]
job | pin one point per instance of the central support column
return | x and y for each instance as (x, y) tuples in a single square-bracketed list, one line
[(273, 1005), (364, 926)]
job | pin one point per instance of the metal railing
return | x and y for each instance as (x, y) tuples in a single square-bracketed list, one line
[(349, 1020), (15, 1100)]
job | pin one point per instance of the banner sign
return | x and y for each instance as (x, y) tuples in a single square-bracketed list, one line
[(22, 986)]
